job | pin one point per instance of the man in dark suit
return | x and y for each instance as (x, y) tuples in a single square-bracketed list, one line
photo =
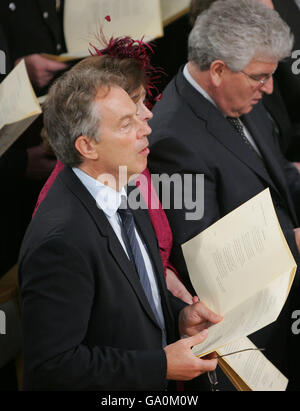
[(95, 308), (211, 121), (31, 28)]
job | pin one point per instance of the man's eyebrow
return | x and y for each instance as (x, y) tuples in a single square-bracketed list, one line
[(138, 96), (264, 74)]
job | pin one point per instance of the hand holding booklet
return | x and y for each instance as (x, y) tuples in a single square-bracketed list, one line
[(242, 268)]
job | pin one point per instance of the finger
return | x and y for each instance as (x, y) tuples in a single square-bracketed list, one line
[(57, 67), (211, 356), (187, 299), (206, 313), (208, 365), (196, 339), (52, 65), (44, 80)]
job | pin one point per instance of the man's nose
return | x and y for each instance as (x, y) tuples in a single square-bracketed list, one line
[(146, 114), (144, 128)]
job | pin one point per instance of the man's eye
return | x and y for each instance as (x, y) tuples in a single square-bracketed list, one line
[(258, 78), (125, 125), (262, 77)]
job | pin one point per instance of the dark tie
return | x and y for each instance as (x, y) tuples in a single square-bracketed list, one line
[(134, 251), (237, 125)]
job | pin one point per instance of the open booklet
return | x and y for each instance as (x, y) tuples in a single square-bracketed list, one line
[(173, 9), (135, 18), (250, 370), (19, 106), (242, 268)]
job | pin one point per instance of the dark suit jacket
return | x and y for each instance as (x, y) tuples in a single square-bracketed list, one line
[(28, 30), (190, 135), (87, 323), (32, 26), (283, 127)]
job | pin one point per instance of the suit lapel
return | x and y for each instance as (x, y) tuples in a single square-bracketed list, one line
[(145, 228), (230, 139), (114, 246)]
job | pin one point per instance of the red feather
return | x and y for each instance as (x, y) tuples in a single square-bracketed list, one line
[(125, 47)]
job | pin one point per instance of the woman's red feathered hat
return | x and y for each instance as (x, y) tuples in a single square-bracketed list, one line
[(125, 47)]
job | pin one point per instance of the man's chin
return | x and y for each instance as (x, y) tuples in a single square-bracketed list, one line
[(139, 169), (248, 109)]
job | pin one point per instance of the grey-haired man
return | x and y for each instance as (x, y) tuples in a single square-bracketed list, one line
[(211, 121)]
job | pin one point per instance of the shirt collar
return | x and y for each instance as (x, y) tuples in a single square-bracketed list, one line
[(197, 86), (106, 198)]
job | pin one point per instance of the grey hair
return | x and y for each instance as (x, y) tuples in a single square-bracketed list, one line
[(70, 110), (237, 31)]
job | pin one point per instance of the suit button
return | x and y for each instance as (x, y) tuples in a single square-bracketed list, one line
[(12, 6), (58, 47), (45, 14)]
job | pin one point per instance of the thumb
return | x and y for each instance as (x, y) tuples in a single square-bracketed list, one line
[(198, 338), (195, 299)]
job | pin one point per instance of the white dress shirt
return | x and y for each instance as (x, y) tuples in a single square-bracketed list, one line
[(109, 200)]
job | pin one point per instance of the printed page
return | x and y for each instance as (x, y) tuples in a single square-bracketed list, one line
[(19, 106), (251, 315), (239, 255), (17, 98), (135, 18), (11, 132), (173, 9), (255, 370)]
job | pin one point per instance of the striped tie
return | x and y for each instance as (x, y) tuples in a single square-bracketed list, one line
[(134, 251)]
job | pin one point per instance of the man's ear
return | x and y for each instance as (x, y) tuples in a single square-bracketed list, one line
[(217, 71), (86, 147)]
